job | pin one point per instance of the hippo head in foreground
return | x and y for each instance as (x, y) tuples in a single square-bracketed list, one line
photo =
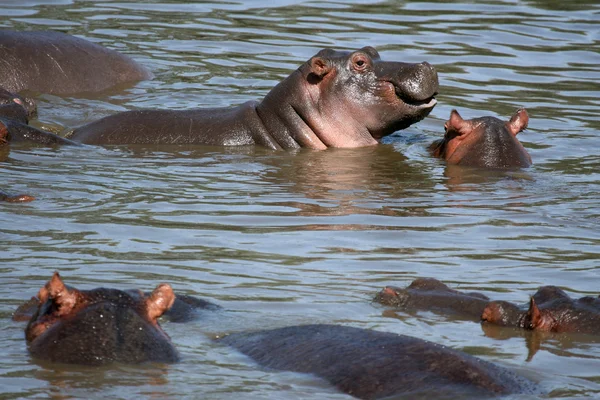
[(484, 142), (349, 99), (13, 106), (99, 326)]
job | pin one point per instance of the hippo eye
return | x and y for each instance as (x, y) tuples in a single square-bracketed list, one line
[(360, 62)]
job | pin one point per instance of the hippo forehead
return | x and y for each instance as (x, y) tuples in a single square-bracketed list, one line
[(336, 55)]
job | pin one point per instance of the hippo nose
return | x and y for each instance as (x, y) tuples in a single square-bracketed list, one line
[(418, 82)]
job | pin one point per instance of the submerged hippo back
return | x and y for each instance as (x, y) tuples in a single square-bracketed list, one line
[(370, 364), (54, 62)]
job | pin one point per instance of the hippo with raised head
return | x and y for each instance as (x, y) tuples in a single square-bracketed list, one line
[(370, 365), (335, 99), (550, 310), (483, 142), (432, 295), (57, 63), (99, 326)]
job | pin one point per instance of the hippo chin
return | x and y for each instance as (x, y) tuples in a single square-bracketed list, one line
[(483, 142), (57, 63), (335, 99), (370, 365), (99, 326)]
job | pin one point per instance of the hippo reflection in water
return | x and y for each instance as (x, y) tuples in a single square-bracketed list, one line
[(335, 99)]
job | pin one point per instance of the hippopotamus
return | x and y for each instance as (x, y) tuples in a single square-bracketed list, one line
[(335, 99), (100, 326), (61, 64), (432, 295), (19, 198), (550, 310), (369, 364), (15, 112), (483, 142)]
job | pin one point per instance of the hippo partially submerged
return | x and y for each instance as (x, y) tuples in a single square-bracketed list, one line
[(550, 309), (335, 99), (432, 295), (57, 63), (100, 326), (483, 142), (370, 365)]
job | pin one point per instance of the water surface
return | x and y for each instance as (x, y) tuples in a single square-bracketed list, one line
[(282, 238)]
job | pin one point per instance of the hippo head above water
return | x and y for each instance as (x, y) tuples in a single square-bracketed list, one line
[(484, 142), (99, 326), (13, 106), (350, 99), (335, 99)]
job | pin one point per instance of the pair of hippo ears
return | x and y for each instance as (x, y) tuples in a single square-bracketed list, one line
[(159, 301), (517, 123)]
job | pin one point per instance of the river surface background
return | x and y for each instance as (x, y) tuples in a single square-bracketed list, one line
[(293, 237)]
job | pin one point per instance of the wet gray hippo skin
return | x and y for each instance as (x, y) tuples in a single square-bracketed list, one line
[(99, 326), (335, 99), (550, 310), (484, 142), (57, 63), (432, 295), (15, 112), (370, 365)]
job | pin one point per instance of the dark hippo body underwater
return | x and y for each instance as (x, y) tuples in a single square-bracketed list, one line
[(335, 99), (429, 294), (550, 310), (483, 142), (370, 365), (57, 63)]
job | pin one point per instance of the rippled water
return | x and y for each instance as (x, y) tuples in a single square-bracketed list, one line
[(282, 238)]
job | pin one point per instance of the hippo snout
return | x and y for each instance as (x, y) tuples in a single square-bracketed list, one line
[(418, 83)]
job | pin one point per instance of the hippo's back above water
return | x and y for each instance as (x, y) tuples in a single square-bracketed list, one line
[(54, 62), (369, 364)]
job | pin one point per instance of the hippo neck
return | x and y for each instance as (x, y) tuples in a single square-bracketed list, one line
[(293, 115)]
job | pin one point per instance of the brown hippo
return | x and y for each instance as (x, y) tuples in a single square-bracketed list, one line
[(54, 62), (483, 142), (550, 310), (335, 99), (432, 295), (100, 326), (370, 365), (18, 198)]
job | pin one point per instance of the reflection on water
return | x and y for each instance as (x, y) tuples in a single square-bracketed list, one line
[(281, 238)]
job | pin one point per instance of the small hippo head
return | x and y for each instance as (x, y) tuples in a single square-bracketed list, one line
[(11, 105), (100, 325), (502, 313), (392, 296), (484, 142), (352, 99)]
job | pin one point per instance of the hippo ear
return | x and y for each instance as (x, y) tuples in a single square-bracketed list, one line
[(56, 290), (319, 66), (533, 315), (456, 125), (159, 301), (518, 122)]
